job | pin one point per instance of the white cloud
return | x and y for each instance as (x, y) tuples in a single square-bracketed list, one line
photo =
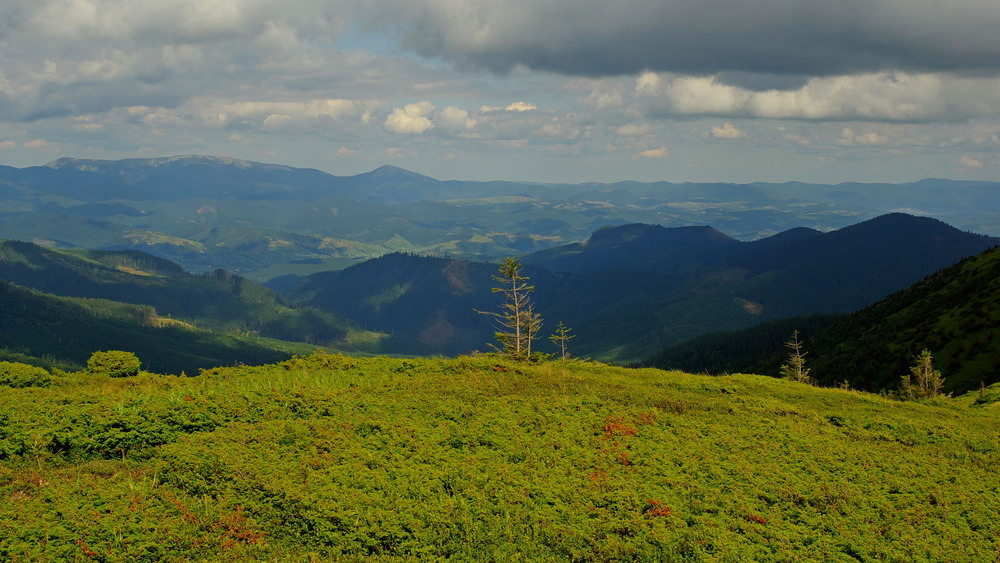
[(454, 120), (634, 130), (605, 94), (521, 106), (970, 162), (410, 119), (849, 137), (728, 131), (556, 128), (515, 106), (39, 144), (661, 152)]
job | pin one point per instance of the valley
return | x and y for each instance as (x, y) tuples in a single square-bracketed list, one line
[(264, 221)]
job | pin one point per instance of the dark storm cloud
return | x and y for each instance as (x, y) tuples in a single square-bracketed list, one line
[(766, 37)]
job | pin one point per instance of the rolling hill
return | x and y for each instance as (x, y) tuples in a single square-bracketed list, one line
[(52, 331), (217, 301)]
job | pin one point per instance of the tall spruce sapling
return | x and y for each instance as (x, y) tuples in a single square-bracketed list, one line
[(561, 338), (923, 380), (517, 323), (795, 368)]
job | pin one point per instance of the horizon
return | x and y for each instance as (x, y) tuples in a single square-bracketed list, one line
[(553, 92), (224, 157)]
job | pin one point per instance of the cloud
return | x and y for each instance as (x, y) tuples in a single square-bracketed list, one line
[(605, 94), (970, 162), (634, 130), (515, 106), (454, 120), (292, 82), (849, 137), (67, 57), (728, 131), (766, 37), (410, 119), (269, 115), (870, 97), (39, 144), (661, 152)]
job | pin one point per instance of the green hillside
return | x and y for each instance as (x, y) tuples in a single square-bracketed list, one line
[(48, 330), (954, 313), (475, 459), (219, 301)]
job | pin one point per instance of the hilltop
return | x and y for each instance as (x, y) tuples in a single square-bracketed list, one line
[(327, 457)]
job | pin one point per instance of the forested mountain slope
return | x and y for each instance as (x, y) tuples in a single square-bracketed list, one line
[(48, 330), (954, 313), (217, 301)]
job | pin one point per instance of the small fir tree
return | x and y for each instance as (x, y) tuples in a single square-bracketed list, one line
[(561, 338), (923, 380), (517, 322), (795, 368)]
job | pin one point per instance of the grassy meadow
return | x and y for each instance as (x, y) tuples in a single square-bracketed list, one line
[(326, 457)]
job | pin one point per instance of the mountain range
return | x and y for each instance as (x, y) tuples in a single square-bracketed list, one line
[(632, 290), (391, 261), (268, 220)]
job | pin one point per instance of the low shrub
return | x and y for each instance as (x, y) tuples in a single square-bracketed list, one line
[(114, 363), (14, 374)]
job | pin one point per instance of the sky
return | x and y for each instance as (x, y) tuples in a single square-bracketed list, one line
[(527, 90)]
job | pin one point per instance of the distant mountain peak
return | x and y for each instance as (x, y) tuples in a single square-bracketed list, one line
[(898, 220), (613, 235), (395, 173)]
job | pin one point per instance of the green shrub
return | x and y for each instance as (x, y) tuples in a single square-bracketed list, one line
[(13, 440), (114, 363), (14, 374)]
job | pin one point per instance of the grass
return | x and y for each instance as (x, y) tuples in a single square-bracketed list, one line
[(325, 457)]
